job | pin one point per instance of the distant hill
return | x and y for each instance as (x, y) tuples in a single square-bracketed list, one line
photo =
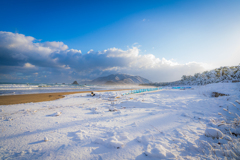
[(120, 79)]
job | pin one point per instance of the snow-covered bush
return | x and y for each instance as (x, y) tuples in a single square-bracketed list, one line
[(222, 74), (229, 146), (213, 132), (213, 76)]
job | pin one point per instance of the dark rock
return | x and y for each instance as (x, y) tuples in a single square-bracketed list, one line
[(216, 94), (113, 110), (75, 82)]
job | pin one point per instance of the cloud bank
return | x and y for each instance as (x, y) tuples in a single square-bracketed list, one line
[(28, 59)]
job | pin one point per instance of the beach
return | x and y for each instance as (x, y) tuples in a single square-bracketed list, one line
[(40, 97), (169, 123), (120, 80)]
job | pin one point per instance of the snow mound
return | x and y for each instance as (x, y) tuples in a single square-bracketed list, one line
[(115, 143), (123, 136), (45, 139), (145, 139), (111, 142), (158, 151), (214, 133), (56, 114)]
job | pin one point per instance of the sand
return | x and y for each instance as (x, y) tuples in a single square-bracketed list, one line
[(40, 97)]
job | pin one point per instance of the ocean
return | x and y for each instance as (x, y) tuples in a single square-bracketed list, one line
[(29, 88)]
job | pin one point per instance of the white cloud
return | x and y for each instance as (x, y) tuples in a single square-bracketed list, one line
[(114, 52), (91, 50), (56, 46), (130, 61), (20, 50), (28, 65)]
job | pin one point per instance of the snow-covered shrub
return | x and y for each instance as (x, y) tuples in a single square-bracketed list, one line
[(213, 76), (213, 132), (231, 128), (222, 74)]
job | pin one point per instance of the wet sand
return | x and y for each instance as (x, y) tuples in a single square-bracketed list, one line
[(40, 97)]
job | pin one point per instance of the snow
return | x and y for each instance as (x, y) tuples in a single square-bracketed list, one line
[(214, 133), (54, 114), (45, 139), (163, 124)]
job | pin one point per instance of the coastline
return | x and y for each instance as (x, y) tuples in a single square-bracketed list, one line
[(41, 97)]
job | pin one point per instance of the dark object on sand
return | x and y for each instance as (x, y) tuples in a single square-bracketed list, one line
[(216, 94), (113, 110), (93, 94), (75, 82)]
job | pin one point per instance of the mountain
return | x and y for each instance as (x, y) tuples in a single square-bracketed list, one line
[(120, 79)]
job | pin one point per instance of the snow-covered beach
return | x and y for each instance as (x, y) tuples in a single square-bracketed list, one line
[(164, 124), (119, 80)]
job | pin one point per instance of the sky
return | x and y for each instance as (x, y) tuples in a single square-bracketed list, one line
[(161, 40)]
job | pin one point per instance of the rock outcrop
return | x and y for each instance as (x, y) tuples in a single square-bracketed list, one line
[(75, 82)]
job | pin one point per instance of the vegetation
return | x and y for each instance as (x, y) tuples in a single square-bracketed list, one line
[(222, 74)]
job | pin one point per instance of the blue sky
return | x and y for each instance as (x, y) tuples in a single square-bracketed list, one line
[(170, 38)]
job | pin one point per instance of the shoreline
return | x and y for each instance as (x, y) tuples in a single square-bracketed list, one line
[(41, 97)]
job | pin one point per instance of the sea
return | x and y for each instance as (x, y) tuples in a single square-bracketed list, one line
[(31, 88)]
